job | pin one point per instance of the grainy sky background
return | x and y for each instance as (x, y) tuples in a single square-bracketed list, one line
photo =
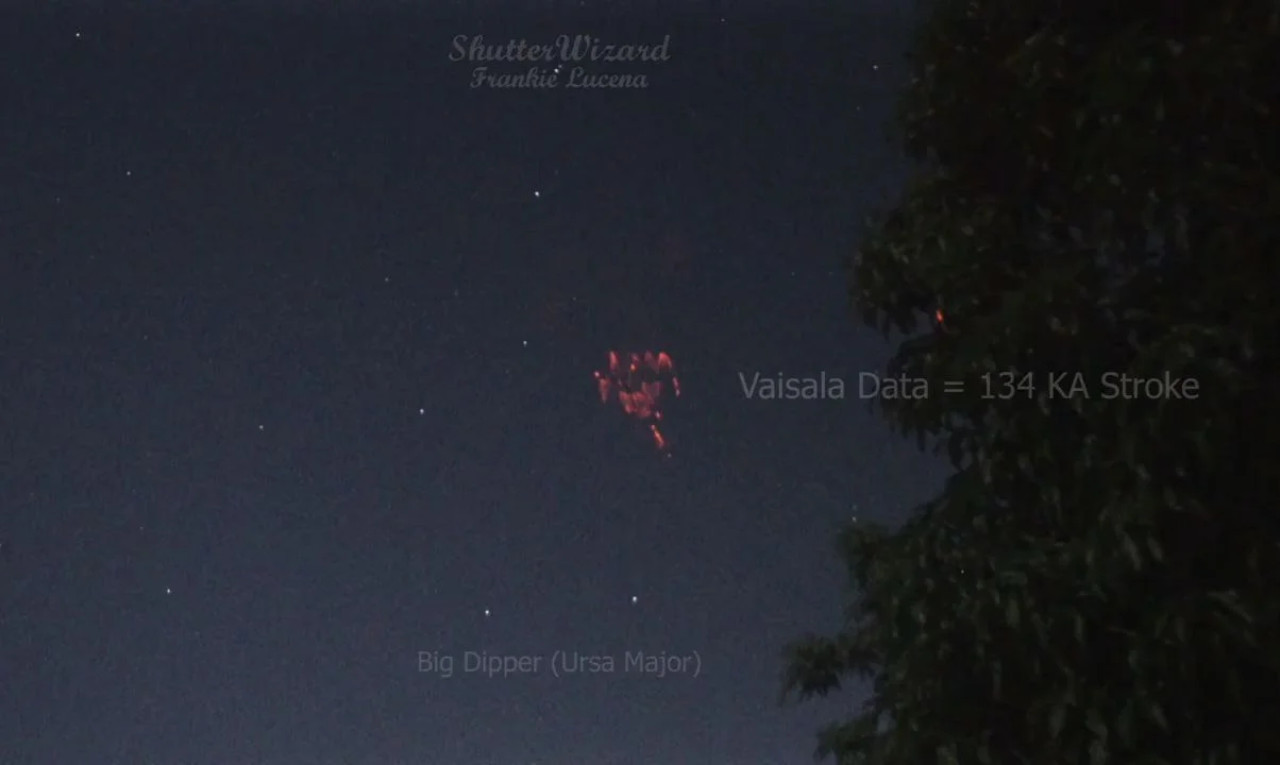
[(297, 334)]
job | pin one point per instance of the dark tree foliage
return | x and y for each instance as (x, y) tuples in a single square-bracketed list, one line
[(1099, 581)]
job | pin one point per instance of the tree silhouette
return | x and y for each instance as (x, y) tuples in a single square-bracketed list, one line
[(1097, 194)]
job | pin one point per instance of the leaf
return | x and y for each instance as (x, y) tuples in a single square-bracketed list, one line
[(1093, 722), (1012, 615), (1157, 714), (1230, 603), (1057, 720), (1131, 550)]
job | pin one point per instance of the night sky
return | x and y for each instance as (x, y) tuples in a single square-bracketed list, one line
[(298, 333)]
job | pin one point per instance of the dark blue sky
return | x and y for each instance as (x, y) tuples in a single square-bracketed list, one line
[(297, 334)]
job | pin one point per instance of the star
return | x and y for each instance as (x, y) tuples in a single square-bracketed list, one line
[(525, 343), (168, 591), (635, 599), (486, 612), (537, 194)]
